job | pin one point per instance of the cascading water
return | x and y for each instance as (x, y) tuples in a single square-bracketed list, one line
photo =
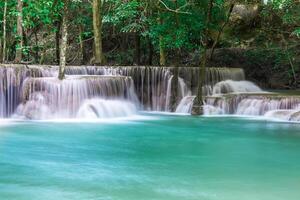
[(153, 84), (11, 79), (102, 108), (185, 105), (286, 115), (245, 98), (100, 91), (230, 86), (253, 104), (46, 98)]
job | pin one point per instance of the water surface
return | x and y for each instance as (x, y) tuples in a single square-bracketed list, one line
[(161, 158)]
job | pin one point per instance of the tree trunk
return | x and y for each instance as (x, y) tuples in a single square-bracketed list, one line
[(174, 96), (150, 58), (4, 32), (137, 44), (81, 44), (1, 49), (97, 26), (36, 53), (162, 54), (289, 59), (199, 100), (25, 44), (63, 42), (57, 39), (221, 31), (19, 45)]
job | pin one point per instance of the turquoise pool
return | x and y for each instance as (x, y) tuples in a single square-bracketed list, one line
[(158, 157)]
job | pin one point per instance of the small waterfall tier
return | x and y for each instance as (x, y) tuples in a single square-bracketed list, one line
[(103, 108), (48, 97), (185, 105), (153, 84), (230, 86), (11, 80), (285, 115), (218, 90), (263, 104)]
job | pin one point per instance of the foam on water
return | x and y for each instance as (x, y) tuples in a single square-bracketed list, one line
[(230, 86), (8, 122), (101, 108)]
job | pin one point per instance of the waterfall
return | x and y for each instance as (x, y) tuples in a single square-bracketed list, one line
[(101, 108), (185, 105), (213, 76), (153, 84), (169, 94), (230, 86), (34, 92), (253, 104), (11, 80), (285, 115), (48, 97)]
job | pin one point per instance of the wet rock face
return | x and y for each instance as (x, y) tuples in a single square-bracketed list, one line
[(244, 15), (278, 81)]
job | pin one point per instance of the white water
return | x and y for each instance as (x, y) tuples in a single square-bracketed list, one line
[(185, 105), (257, 106), (48, 98), (285, 115), (169, 94), (230, 86), (212, 110), (101, 109), (22, 88), (253, 104), (219, 89), (33, 92), (244, 98)]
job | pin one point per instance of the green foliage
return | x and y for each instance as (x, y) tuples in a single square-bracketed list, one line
[(172, 25), (287, 11), (297, 32)]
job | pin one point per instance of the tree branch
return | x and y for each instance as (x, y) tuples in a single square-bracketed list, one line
[(178, 10)]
